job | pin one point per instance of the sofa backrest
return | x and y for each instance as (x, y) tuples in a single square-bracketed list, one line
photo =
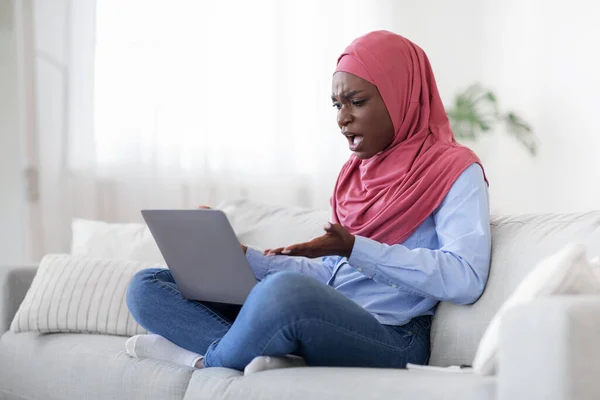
[(518, 243)]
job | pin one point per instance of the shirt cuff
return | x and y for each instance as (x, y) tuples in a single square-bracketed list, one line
[(364, 254), (258, 262)]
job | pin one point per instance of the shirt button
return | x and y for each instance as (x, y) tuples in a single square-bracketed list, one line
[(394, 286), (359, 270)]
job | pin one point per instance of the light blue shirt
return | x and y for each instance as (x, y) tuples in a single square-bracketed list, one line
[(446, 259)]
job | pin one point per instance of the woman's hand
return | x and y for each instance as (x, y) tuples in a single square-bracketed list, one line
[(336, 241), (244, 248)]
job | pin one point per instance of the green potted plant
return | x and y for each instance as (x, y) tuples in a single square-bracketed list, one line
[(475, 112)]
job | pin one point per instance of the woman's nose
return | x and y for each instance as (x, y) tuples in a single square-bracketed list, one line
[(343, 117)]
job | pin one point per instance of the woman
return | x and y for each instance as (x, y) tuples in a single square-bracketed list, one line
[(411, 228)]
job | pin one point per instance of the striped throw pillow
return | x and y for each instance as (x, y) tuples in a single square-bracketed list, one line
[(79, 294)]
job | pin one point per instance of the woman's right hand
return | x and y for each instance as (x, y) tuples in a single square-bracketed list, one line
[(244, 248)]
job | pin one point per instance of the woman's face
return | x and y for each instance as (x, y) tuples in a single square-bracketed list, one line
[(362, 115)]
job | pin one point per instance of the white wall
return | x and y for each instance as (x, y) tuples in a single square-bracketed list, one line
[(11, 168)]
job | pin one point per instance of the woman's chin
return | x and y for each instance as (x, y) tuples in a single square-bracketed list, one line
[(362, 155)]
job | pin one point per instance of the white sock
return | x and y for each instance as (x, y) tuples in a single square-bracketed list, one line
[(264, 363), (156, 346)]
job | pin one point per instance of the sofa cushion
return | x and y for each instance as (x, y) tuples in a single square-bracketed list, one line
[(66, 366), (338, 383), (518, 244)]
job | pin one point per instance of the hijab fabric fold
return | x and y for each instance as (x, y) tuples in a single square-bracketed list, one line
[(388, 196)]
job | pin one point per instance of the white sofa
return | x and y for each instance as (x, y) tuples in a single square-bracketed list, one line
[(549, 349)]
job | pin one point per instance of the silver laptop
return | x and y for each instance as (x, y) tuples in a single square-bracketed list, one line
[(203, 254)]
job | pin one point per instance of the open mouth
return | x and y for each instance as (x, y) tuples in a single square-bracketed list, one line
[(354, 141)]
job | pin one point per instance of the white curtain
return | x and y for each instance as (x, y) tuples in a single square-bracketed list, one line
[(156, 104)]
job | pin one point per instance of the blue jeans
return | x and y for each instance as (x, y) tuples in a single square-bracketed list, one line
[(286, 313)]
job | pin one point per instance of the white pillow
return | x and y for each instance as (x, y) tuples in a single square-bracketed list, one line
[(79, 294), (566, 272), (267, 226), (100, 239)]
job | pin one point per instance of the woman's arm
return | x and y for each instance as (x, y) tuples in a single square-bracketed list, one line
[(262, 265), (458, 271)]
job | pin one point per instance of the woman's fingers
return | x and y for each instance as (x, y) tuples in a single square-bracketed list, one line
[(307, 249), (289, 250), (335, 229), (204, 207), (336, 241), (273, 252), (296, 249)]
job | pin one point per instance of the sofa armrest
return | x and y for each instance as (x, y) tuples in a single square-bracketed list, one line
[(550, 349), (14, 283)]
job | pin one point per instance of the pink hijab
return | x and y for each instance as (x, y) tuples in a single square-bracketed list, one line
[(387, 197)]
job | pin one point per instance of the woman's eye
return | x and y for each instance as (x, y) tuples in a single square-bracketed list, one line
[(337, 105), (358, 103)]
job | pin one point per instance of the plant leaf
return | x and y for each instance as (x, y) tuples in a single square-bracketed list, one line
[(475, 112)]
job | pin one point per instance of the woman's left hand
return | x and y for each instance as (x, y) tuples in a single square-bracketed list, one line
[(336, 241)]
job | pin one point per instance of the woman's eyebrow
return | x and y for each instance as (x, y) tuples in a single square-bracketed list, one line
[(347, 95)]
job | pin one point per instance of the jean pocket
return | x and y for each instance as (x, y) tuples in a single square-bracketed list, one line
[(405, 335), (424, 321)]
